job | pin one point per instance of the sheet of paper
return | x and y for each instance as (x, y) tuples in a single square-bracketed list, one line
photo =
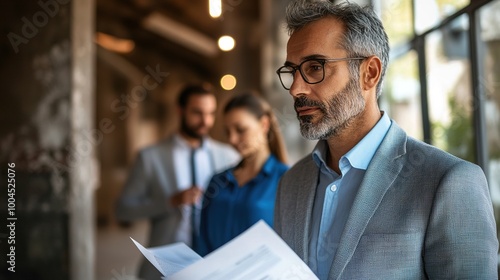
[(258, 253), (169, 259)]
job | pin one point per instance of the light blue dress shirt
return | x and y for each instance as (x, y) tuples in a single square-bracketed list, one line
[(335, 195), (205, 169)]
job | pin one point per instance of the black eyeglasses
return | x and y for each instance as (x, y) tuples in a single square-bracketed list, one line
[(312, 70)]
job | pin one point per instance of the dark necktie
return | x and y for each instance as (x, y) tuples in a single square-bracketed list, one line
[(194, 211)]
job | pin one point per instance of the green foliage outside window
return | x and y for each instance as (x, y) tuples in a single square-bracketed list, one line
[(458, 136)]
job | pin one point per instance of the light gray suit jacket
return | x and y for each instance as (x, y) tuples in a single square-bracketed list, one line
[(419, 213), (151, 182)]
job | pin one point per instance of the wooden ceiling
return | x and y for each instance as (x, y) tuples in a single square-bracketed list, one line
[(123, 19)]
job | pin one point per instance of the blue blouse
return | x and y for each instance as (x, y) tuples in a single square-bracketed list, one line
[(228, 209)]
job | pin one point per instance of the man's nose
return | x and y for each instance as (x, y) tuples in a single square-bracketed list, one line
[(206, 120), (299, 85)]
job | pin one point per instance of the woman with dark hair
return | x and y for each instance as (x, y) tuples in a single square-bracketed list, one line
[(240, 196)]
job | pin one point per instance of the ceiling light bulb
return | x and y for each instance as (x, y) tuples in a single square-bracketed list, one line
[(226, 43), (228, 82), (215, 8)]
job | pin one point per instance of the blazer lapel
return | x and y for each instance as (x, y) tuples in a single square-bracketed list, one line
[(306, 186), (381, 173), (167, 178)]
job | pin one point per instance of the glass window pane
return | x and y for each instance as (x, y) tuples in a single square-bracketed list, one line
[(449, 89), (448, 7), (397, 19), (401, 94), (428, 13), (489, 55)]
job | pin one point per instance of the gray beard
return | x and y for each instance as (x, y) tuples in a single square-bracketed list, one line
[(338, 113)]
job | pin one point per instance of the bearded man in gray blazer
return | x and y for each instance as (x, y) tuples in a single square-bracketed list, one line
[(160, 185), (371, 202)]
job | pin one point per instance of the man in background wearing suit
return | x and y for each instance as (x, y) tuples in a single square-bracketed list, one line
[(371, 202), (167, 179)]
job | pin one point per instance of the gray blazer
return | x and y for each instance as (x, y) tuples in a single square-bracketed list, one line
[(151, 182), (419, 213)]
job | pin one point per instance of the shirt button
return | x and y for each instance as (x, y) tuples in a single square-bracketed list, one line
[(333, 188)]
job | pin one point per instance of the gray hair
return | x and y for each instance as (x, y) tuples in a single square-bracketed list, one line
[(364, 33)]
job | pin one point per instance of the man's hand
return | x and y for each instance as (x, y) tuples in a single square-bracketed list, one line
[(186, 197)]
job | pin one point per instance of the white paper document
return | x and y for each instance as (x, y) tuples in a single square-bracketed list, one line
[(169, 259), (257, 253)]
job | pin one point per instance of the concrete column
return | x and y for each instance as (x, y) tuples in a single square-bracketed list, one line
[(84, 139), (46, 113)]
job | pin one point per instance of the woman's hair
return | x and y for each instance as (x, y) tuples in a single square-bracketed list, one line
[(259, 108)]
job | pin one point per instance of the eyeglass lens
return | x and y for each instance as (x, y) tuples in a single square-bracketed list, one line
[(311, 70)]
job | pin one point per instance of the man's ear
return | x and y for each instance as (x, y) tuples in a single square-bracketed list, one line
[(370, 73)]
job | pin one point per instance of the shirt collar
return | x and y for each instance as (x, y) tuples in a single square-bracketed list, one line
[(319, 153), (266, 170), (181, 142), (269, 165), (360, 155)]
